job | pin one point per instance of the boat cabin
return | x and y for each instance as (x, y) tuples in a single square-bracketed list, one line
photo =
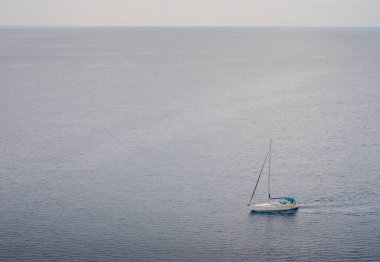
[(284, 201)]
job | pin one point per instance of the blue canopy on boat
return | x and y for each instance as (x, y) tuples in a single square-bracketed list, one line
[(290, 199)]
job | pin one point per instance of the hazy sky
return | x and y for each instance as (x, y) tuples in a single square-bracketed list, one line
[(191, 12)]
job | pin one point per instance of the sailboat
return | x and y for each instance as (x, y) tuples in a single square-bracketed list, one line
[(274, 204)]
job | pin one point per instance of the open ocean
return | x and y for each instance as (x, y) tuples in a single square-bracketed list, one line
[(144, 144)]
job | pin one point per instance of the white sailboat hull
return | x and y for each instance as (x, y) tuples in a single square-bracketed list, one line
[(271, 207)]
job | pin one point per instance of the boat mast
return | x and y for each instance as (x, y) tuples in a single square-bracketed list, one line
[(270, 154)]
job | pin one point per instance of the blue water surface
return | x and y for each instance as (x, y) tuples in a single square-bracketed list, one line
[(144, 144)]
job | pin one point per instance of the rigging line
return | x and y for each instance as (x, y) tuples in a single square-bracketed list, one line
[(257, 182)]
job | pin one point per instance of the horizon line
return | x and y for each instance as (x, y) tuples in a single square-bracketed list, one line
[(187, 26)]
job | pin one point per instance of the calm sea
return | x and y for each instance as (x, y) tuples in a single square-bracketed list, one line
[(144, 144)]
